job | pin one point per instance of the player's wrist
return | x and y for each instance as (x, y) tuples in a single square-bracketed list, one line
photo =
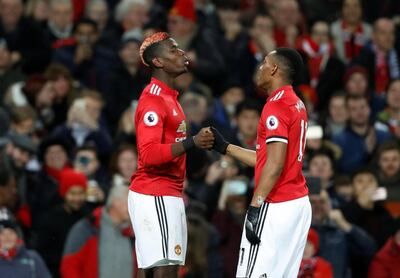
[(188, 143)]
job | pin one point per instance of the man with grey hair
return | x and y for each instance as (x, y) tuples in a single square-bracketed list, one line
[(60, 23), (132, 15), (101, 245)]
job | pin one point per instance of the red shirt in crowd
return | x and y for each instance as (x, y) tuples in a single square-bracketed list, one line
[(283, 119), (160, 122)]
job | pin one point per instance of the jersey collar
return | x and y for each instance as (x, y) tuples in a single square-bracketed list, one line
[(165, 89), (285, 88)]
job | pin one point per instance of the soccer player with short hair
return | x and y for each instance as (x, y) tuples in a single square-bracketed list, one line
[(155, 200), (279, 215)]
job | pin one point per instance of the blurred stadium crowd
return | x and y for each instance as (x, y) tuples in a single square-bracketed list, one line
[(70, 78)]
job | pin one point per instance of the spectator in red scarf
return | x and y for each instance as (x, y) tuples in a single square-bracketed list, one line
[(318, 51), (349, 32), (313, 266)]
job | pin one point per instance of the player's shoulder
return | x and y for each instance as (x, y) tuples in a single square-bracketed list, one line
[(151, 95), (286, 98)]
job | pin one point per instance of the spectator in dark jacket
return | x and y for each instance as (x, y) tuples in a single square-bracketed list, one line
[(206, 62), (84, 124), (15, 259), (101, 245), (89, 62), (23, 36), (126, 83), (365, 210), (56, 225), (8, 74), (359, 140), (341, 242), (386, 262)]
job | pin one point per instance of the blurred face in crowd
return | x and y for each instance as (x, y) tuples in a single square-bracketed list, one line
[(309, 250), (87, 162), (363, 183), (262, 25), (86, 34), (321, 206), (25, 127), (8, 193), (93, 107), (195, 107), (321, 166), (19, 157), (61, 86), (127, 163), (359, 111), (179, 27), (130, 54), (393, 95), (389, 162), (351, 11), (383, 35), (136, 17), (227, 16), (247, 122), (320, 32), (41, 10), (345, 191), (286, 13), (75, 198), (98, 12), (5, 58), (337, 109), (8, 239), (231, 98), (61, 15), (357, 84), (46, 95), (10, 12), (55, 157)]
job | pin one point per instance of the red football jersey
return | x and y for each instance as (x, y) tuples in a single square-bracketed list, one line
[(284, 119), (160, 122)]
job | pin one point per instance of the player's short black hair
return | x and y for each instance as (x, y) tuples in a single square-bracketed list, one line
[(151, 52), (248, 104), (291, 62)]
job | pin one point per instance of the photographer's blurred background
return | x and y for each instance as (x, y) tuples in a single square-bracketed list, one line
[(70, 78)]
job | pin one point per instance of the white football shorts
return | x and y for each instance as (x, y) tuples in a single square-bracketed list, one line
[(159, 224), (283, 229)]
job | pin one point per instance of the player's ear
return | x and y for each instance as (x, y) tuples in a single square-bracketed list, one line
[(274, 69), (157, 63)]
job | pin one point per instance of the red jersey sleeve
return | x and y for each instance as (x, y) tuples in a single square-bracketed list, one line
[(149, 120), (277, 122)]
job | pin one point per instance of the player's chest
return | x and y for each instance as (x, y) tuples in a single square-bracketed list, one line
[(175, 121)]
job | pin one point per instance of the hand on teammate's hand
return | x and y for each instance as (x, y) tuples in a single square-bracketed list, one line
[(204, 139), (220, 145), (251, 223)]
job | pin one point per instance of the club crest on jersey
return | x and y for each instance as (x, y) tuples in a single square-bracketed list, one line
[(300, 105), (178, 249), (272, 123), (150, 118), (182, 127)]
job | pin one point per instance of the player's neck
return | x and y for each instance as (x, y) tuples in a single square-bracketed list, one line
[(274, 86), (164, 77)]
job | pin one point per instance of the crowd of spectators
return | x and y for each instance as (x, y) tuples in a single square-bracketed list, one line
[(70, 79)]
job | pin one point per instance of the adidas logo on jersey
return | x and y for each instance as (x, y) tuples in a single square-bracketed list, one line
[(174, 113), (263, 275), (182, 127)]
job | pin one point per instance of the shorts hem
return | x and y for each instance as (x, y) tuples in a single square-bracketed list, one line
[(163, 262)]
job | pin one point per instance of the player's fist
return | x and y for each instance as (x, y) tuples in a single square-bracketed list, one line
[(220, 145), (204, 139), (251, 223)]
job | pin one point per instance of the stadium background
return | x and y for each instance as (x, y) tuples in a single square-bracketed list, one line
[(70, 77)]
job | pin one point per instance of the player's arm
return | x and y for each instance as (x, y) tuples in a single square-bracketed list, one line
[(270, 172), (150, 129), (246, 156)]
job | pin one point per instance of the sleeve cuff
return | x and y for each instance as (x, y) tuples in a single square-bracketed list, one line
[(276, 139)]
